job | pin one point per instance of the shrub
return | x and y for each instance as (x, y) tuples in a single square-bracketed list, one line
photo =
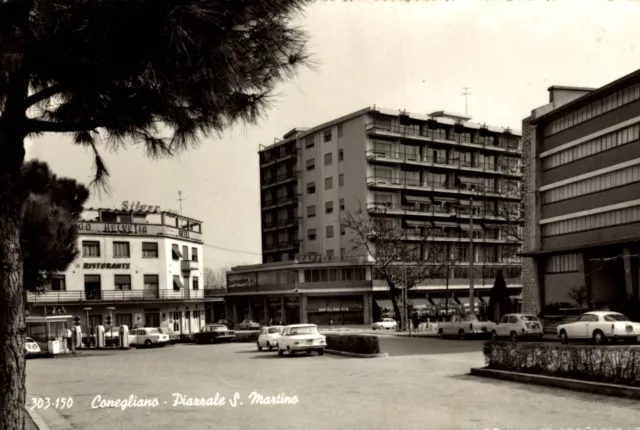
[(355, 343), (247, 336), (611, 364)]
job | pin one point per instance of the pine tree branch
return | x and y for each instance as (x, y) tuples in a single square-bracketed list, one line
[(44, 94), (39, 126)]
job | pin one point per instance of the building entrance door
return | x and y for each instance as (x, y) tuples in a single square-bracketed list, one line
[(152, 319)]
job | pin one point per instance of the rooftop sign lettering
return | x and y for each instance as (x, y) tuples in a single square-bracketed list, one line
[(139, 207)]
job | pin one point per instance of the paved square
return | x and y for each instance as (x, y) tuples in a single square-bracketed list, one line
[(401, 392)]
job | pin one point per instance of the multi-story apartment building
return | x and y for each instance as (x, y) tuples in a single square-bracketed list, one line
[(427, 175), (581, 196), (144, 264)]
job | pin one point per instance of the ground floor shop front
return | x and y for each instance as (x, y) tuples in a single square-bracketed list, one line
[(349, 308), (174, 318)]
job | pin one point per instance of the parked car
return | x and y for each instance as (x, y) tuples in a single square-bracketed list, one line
[(517, 326), (384, 324), (148, 336), (269, 337), (248, 325), (301, 337), (601, 327), (31, 346), (465, 326), (212, 333)]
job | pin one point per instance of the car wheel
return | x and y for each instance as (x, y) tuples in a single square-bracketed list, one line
[(461, 334), (321, 352), (260, 347), (494, 335), (564, 339), (514, 336), (148, 343), (599, 338), (441, 333), (269, 346), (290, 351), (280, 352)]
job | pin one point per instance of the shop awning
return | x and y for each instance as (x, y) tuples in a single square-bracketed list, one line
[(418, 199), (445, 200), (411, 223), (441, 301), (419, 304), (385, 304), (445, 224), (175, 251)]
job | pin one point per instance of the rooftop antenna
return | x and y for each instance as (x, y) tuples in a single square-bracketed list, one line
[(466, 95), (180, 199)]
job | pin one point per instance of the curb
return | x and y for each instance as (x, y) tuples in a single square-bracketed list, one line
[(354, 355), (564, 383), (39, 422)]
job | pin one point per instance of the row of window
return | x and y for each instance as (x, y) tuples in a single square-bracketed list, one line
[(591, 147), (327, 135), (328, 184), (562, 263), (594, 109), (591, 222), (329, 232), (328, 208), (609, 180), (91, 249), (121, 282)]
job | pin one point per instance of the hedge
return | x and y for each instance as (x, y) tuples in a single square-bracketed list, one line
[(610, 364), (355, 343), (247, 336)]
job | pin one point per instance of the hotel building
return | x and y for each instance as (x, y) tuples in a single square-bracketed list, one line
[(420, 172), (582, 195), (145, 264)]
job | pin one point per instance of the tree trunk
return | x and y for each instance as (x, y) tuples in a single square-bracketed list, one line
[(12, 294), (394, 299)]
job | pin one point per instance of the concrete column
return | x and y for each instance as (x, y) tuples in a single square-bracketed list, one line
[(250, 310), (303, 308), (368, 308), (234, 308), (628, 278), (282, 310), (266, 310)]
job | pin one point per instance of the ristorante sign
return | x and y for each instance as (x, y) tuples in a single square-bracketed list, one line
[(106, 266)]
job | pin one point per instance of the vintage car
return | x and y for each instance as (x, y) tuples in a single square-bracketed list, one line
[(147, 336), (301, 337), (518, 326), (385, 324), (248, 325), (601, 327), (269, 337), (466, 326), (31, 346), (212, 333)]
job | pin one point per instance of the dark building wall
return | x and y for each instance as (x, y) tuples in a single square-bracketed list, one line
[(592, 237)]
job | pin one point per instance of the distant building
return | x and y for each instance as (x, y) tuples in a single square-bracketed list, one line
[(582, 195), (413, 170), (145, 263)]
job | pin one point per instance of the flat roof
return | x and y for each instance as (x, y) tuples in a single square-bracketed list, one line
[(128, 212), (589, 97)]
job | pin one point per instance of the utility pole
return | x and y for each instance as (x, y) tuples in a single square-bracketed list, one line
[(180, 199), (472, 308), (466, 95)]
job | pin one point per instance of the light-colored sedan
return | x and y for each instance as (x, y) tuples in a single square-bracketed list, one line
[(148, 336), (385, 324), (301, 337), (269, 337), (31, 346), (601, 327), (517, 326)]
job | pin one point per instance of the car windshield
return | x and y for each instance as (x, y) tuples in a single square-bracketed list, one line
[(218, 328), (153, 331), (274, 330), (615, 317), (478, 318), (29, 340), (303, 330), (529, 318)]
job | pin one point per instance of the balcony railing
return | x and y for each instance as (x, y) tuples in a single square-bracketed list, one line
[(476, 189), (488, 142), (434, 211), (456, 164), (288, 244), (188, 265), (115, 296), (274, 225)]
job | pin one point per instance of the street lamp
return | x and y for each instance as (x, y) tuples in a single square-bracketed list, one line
[(111, 309), (86, 311)]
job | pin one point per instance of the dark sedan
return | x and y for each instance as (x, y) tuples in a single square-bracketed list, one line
[(212, 333)]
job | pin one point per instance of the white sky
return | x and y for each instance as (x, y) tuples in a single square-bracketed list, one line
[(408, 55)]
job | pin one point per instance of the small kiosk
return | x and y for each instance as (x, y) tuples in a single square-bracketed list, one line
[(48, 331)]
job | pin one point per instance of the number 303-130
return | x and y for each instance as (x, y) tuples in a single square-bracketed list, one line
[(46, 403)]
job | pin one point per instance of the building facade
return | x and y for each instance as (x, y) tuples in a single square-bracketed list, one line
[(140, 267), (439, 176), (582, 189)]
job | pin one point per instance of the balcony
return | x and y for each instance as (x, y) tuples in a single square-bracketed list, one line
[(281, 246), (281, 179), (462, 236), (435, 212), (286, 200), (487, 143), (280, 224), (413, 184), (113, 296), (279, 157), (188, 265), (396, 158)]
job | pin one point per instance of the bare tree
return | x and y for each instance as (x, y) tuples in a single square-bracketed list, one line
[(400, 257), (579, 295), (215, 278)]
